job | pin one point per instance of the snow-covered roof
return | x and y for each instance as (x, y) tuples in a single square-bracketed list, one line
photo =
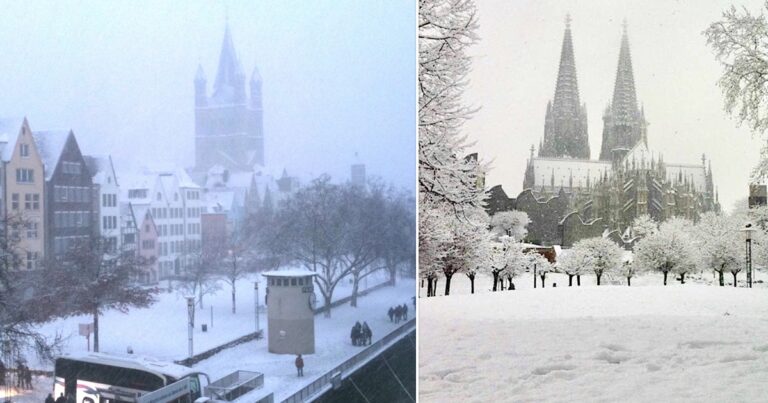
[(696, 174), (50, 145), (100, 167), (225, 200), (562, 169), (289, 273), (134, 362), (9, 132)]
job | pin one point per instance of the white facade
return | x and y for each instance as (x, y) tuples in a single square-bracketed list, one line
[(175, 203), (110, 218)]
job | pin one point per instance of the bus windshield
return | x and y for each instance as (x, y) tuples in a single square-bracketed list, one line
[(72, 370)]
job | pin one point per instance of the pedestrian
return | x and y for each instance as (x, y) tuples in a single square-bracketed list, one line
[(405, 311), (49, 399), (352, 336), (367, 334), (299, 365), (27, 378), (391, 314), (61, 399), (20, 375), (398, 313)]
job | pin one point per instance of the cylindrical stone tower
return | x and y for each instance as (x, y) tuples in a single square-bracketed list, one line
[(290, 311)]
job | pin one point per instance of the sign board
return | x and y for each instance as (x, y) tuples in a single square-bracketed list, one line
[(178, 389), (86, 329)]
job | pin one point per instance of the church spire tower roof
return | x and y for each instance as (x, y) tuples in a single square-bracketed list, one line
[(624, 122), (229, 76), (565, 127)]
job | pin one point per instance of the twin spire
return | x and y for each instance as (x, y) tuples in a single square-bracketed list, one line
[(565, 128)]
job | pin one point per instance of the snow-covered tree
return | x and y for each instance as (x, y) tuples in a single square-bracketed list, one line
[(466, 248), (516, 261), (543, 266), (669, 250), (739, 42), (719, 245), (485, 257), (644, 225), (603, 255), (510, 223), (573, 262), (201, 276)]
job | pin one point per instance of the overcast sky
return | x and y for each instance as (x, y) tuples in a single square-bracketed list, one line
[(339, 77), (515, 70)]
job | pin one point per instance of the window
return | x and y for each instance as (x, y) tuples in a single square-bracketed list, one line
[(137, 193), (36, 201), (159, 196), (31, 230), (293, 282), (31, 260), (24, 175), (24, 150), (73, 168), (15, 201)]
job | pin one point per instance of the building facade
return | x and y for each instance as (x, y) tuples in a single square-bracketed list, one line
[(106, 190), (23, 196), (569, 196)]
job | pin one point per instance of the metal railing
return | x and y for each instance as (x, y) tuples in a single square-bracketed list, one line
[(319, 384)]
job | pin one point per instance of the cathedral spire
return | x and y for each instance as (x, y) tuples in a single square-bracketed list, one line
[(565, 126), (624, 97)]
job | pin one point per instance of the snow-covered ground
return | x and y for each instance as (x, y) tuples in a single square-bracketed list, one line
[(161, 332), (644, 343)]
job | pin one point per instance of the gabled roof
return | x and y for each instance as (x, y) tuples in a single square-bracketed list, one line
[(9, 133), (100, 167), (50, 145)]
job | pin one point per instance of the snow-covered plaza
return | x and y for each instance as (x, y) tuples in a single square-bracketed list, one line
[(644, 343), (161, 332)]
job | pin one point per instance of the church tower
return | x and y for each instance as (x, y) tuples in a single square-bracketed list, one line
[(624, 123), (228, 125), (565, 125)]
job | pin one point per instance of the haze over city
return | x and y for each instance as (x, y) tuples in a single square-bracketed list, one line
[(121, 76)]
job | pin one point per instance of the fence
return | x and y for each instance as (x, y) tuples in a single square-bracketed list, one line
[(322, 382), (344, 300)]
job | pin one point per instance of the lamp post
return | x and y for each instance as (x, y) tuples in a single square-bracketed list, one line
[(748, 230), (191, 317), (256, 303)]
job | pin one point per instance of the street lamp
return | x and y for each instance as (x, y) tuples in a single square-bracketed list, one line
[(748, 231), (256, 288), (191, 317)]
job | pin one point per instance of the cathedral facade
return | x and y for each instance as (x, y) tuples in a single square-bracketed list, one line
[(228, 124), (569, 196)]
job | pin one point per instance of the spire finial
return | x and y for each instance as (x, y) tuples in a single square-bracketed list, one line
[(624, 25), (532, 151), (568, 21)]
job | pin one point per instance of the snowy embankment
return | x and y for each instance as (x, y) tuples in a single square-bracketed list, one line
[(608, 343)]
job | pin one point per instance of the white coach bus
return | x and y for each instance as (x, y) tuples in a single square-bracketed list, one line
[(106, 378)]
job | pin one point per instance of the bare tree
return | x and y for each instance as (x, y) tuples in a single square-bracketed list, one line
[(235, 266), (90, 279), (199, 277)]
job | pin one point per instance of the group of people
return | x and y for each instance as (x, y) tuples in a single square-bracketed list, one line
[(398, 313), (361, 334), (61, 399), (23, 376)]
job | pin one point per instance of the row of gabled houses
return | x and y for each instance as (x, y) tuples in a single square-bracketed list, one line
[(54, 196)]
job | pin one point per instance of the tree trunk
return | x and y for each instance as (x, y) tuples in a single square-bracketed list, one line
[(629, 281), (734, 278), (96, 330), (722, 280), (429, 287), (472, 283), (495, 279), (665, 277), (570, 280), (501, 284), (598, 275), (434, 290), (327, 301), (234, 310), (422, 282), (355, 287), (200, 294), (543, 276), (393, 275), (448, 284), (511, 285), (578, 280), (682, 278)]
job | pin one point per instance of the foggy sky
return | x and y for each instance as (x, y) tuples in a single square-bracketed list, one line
[(515, 70), (338, 77)]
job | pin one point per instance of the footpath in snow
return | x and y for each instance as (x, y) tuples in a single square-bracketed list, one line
[(609, 343)]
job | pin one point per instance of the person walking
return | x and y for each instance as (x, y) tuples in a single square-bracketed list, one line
[(27, 378), (299, 365), (61, 399), (391, 314), (405, 311), (367, 334), (49, 399)]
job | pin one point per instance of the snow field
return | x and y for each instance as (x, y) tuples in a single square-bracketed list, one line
[(605, 344)]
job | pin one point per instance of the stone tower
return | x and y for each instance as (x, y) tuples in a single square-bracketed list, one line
[(624, 123), (228, 125), (565, 125)]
